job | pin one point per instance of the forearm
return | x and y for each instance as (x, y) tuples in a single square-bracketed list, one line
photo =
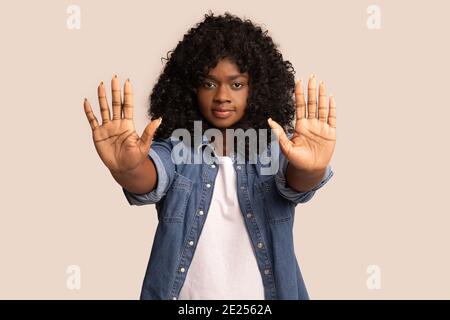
[(142, 179), (303, 181)]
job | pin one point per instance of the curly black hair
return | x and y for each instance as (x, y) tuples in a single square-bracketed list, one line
[(271, 84)]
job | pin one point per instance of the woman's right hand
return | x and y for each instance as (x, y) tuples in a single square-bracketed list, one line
[(116, 141)]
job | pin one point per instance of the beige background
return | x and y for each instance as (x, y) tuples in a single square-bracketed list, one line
[(387, 204)]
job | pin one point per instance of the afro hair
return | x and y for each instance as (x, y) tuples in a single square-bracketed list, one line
[(271, 84)]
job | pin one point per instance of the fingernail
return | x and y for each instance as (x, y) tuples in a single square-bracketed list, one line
[(321, 82), (128, 79), (312, 76), (160, 120)]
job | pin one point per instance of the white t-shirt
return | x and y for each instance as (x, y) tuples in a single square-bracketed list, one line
[(224, 264)]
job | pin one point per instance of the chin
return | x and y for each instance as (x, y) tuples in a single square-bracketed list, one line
[(222, 123)]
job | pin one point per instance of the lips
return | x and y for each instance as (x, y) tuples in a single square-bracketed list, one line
[(222, 113), (221, 109)]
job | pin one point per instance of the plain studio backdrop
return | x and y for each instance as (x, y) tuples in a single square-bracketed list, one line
[(378, 229)]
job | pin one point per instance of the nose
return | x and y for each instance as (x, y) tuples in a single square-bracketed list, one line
[(222, 94)]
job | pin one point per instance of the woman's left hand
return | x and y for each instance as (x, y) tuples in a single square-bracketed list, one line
[(312, 145)]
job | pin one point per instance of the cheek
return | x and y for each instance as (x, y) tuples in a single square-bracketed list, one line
[(244, 96), (203, 102), (243, 102)]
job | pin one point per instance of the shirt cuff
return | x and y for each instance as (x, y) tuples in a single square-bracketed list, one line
[(293, 195), (160, 190)]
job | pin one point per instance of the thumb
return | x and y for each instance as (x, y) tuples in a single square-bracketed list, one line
[(147, 135), (285, 143)]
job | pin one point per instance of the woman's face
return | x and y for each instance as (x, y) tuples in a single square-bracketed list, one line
[(222, 96)]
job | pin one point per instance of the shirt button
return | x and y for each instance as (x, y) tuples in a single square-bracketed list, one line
[(174, 298), (213, 166), (260, 245), (267, 271), (191, 243), (242, 187), (182, 269), (249, 215), (239, 167), (208, 185), (200, 212)]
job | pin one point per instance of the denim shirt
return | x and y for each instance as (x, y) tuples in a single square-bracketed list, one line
[(182, 198)]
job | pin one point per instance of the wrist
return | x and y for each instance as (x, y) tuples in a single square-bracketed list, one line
[(310, 172)]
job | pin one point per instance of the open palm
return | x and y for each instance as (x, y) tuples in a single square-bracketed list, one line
[(116, 141), (312, 144)]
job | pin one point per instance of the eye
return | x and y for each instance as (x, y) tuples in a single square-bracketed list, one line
[(208, 84), (240, 85)]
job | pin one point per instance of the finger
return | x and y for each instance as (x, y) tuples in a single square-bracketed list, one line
[(116, 96), (332, 113), (104, 109), (312, 101), (322, 102), (300, 100), (128, 100), (284, 141), (147, 135), (90, 115)]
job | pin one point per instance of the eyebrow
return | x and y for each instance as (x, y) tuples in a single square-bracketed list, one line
[(232, 77)]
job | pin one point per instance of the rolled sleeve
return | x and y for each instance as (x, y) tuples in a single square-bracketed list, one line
[(291, 194), (161, 157)]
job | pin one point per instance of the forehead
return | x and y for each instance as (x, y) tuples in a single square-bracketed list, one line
[(226, 69)]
